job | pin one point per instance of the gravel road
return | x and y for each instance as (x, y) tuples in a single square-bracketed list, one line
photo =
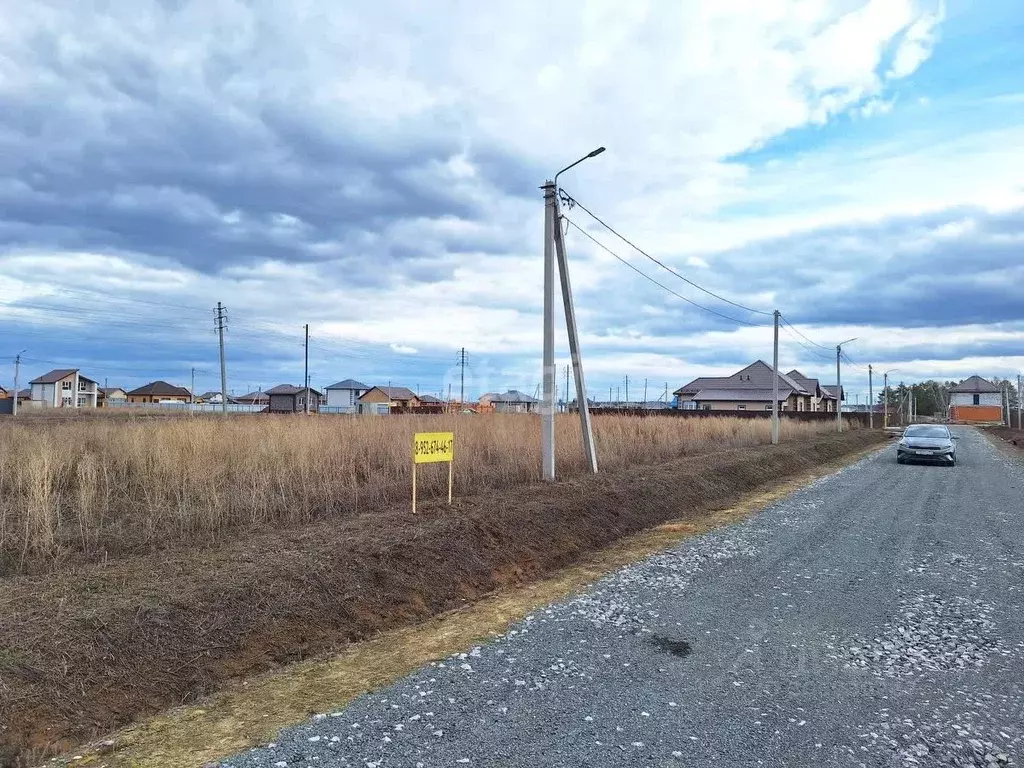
[(872, 618)]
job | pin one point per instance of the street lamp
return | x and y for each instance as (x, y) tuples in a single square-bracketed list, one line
[(595, 153), (839, 384), (553, 242)]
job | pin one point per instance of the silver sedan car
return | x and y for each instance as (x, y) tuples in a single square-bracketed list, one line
[(927, 442)]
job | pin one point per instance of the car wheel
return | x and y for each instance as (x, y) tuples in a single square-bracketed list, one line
[(900, 460)]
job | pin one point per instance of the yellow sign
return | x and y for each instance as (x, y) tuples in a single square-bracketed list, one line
[(430, 447)]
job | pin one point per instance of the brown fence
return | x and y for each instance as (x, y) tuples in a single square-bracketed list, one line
[(860, 418)]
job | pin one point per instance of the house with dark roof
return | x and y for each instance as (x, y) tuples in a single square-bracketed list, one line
[(749, 389), (159, 392), (821, 398), (384, 399), (286, 398), (976, 400), (345, 394), (253, 398), (828, 397), (63, 388), (512, 401)]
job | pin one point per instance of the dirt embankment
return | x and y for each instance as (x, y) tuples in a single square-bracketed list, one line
[(1009, 434), (85, 651)]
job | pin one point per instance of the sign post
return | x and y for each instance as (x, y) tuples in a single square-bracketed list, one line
[(432, 448)]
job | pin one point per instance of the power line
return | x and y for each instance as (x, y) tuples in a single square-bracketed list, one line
[(574, 202), (809, 341), (648, 277), (809, 349)]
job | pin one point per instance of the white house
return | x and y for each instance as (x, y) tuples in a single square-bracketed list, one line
[(976, 391), (64, 388), (345, 394)]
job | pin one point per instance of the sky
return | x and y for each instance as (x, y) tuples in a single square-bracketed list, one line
[(373, 170)]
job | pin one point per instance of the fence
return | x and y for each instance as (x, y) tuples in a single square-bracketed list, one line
[(861, 418), (186, 407)]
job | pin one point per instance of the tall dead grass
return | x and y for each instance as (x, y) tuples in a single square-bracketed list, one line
[(100, 487)]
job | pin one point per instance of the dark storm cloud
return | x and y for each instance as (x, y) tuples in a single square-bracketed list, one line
[(108, 156), (958, 266)]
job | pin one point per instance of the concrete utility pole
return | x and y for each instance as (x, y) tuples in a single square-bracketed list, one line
[(222, 321), (1019, 399), (871, 397), (547, 405), (775, 383), (192, 396), (627, 390), (839, 384), (572, 330), (885, 400), (305, 376), (17, 370), (462, 377), (645, 390)]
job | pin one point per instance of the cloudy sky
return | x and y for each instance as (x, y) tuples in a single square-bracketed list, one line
[(372, 169)]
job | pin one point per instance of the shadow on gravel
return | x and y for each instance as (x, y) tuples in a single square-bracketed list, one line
[(679, 648)]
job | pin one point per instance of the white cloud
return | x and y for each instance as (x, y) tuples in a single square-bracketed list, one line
[(403, 349), (917, 44), (676, 91)]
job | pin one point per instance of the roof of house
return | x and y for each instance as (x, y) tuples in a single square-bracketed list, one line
[(975, 385), (208, 396), (513, 396), (160, 389), (289, 389), (24, 394), (757, 375), (110, 390), (811, 385), (829, 391), (54, 376), (395, 393), (740, 394), (348, 384), (253, 397), (430, 399)]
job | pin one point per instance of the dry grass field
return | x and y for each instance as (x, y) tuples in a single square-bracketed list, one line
[(98, 488)]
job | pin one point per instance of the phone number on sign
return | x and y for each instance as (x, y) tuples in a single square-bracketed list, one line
[(433, 447)]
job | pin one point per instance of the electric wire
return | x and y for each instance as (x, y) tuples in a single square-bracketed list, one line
[(641, 251), (664, 287)]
